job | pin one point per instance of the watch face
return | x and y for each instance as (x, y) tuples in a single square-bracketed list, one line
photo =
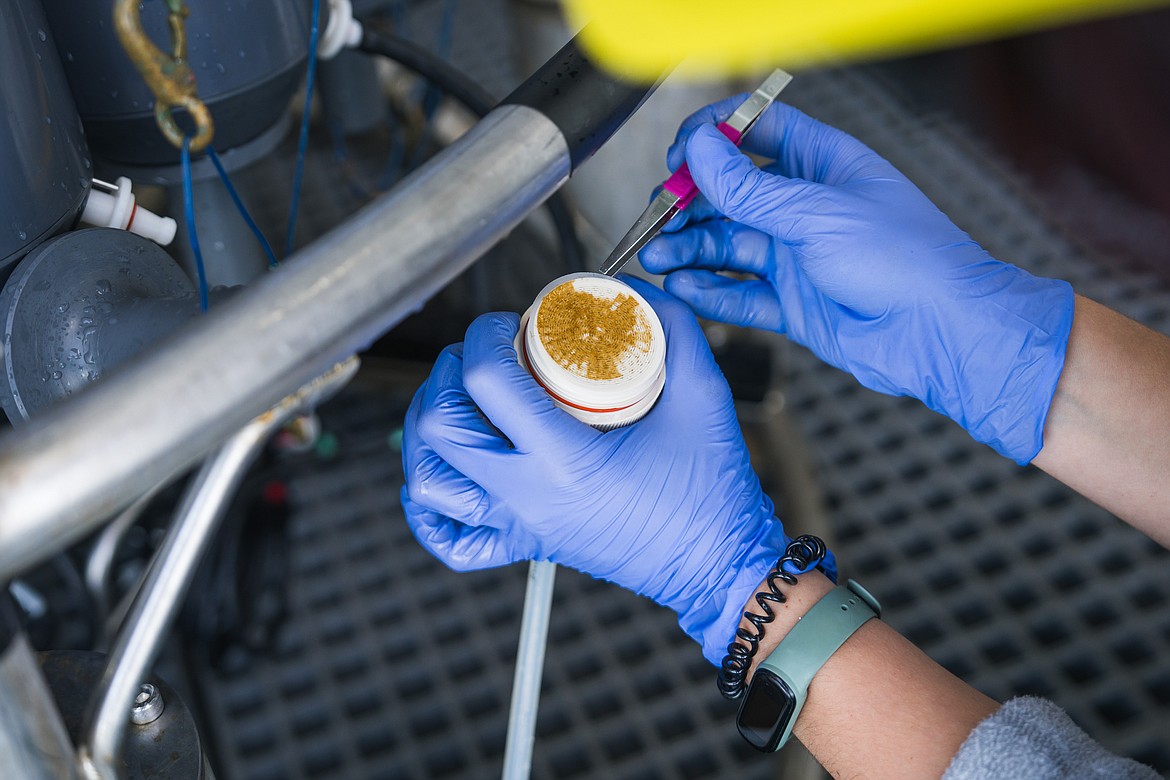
[(767, 707)]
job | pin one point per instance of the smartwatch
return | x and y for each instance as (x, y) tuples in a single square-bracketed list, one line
[(780, 685)]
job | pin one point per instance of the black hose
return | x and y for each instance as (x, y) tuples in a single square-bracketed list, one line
[(586, 102), (480, 102)]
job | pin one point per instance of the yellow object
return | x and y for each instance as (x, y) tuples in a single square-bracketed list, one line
[(714, 38)]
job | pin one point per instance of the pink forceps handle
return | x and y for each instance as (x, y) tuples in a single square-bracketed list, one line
[(681, 185)]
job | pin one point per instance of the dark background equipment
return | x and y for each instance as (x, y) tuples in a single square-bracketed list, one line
[(320, 641)]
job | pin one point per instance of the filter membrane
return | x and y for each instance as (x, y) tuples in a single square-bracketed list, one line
[(597, 347)]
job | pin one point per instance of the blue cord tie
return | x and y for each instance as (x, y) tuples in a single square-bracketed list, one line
[(303, 143), (227, 182), (189, 212)]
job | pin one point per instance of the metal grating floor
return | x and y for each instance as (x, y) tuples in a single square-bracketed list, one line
[(393, 667), (1002, 574)]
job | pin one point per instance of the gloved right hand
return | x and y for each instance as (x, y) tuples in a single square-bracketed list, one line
[(854, 262), (668, 507)]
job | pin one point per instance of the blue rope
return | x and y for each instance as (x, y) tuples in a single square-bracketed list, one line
[(189, 210), (395, 157), (227, 182), (442, 49), (341, 154), (432, 95), (399, 18), (303, 144)]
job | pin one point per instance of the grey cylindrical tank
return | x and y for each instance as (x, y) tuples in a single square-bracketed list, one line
[(44, 164), (78, 306), (248, 59)]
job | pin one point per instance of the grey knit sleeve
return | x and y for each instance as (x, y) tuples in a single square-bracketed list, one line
[(1033, 738)]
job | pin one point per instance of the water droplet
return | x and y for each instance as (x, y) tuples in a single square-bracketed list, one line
[(69, 56), (62, 307), (85, 161), (74, 353), (219, 66), (88, 345), (102, 286), (48, 120), (134, 104), (203, 64), (21, 235), (243, 54), (57, 375), (218, 246), (41, 35), (82, 181)]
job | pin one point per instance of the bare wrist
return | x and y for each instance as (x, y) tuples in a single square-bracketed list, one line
[(810, 587)]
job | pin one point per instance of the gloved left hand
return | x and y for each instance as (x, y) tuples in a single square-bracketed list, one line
[(668, 507), (853, 261)]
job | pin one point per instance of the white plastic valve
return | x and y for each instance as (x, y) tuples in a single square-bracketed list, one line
[(120, 210), (341, 32)]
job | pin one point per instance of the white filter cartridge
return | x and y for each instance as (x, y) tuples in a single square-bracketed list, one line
[(597, 347)]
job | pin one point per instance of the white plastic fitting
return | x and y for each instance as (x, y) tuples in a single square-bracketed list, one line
[(341, 32), (120, 210)]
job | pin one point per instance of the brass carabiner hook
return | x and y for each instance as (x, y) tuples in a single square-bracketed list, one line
[(169, 77)]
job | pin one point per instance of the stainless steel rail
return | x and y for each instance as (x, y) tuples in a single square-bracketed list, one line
[(172, 569), (80, 462)]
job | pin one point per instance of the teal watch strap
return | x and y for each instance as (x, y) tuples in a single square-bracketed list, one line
[(816, 636)]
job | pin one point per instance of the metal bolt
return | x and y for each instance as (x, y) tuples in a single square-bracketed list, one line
[(148, 705)]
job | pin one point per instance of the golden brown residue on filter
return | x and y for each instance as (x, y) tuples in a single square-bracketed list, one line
[(589, 335)]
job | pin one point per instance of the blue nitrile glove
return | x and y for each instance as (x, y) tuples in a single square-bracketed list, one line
[(668, 507), (854, 262)]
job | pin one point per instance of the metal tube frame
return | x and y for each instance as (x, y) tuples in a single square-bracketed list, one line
[(71, 469), (172, 569), (100, 562), (65, 472)]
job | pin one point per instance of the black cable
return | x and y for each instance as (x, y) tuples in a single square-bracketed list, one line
[(480, 102), (433, 68), (562, 219), (804, 552)]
